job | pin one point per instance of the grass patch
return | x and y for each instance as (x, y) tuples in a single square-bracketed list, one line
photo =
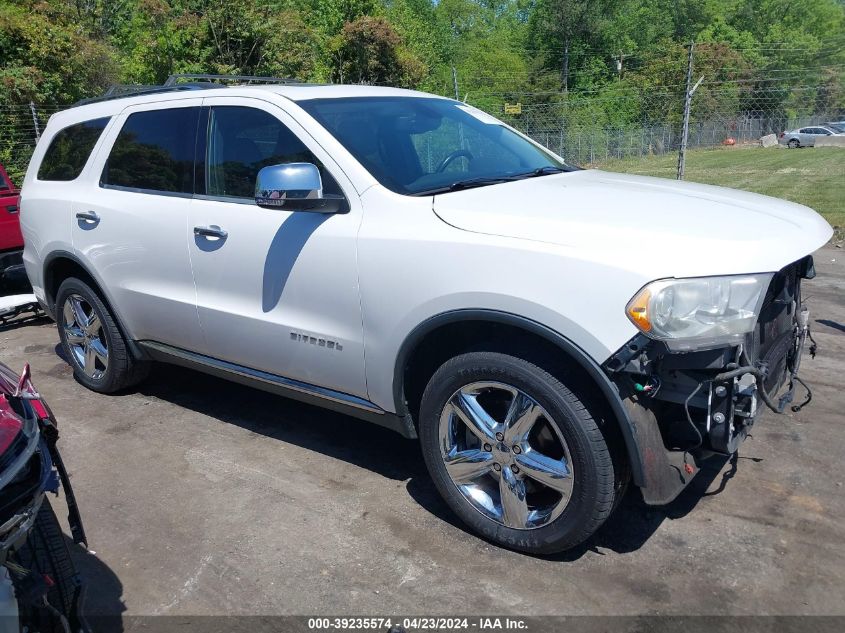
[(813, 177)]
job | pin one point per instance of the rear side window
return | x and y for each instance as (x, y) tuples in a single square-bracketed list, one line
[(155, 151), (69, 150)]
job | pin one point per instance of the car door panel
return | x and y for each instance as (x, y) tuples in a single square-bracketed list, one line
[(804, 136), (279, 293), (135, 240), (10, 230)]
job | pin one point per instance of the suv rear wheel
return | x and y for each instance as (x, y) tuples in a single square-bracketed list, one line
[(92, 341), (516, 455)]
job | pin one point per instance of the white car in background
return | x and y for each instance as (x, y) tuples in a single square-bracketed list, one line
[(547, 333), (806, 136)]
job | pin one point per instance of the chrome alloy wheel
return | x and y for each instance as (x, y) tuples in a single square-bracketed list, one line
[(505, 455), (85, 338)]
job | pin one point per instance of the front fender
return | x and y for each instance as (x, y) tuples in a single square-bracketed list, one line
[(593, 370)]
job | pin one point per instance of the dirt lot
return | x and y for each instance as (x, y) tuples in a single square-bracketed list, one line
[(203, 497)]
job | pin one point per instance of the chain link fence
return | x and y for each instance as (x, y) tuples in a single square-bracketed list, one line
[(575, 127), (621, 123), (20, 128)]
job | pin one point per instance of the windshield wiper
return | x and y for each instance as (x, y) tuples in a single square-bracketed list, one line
[(546, 171), (469, 183)]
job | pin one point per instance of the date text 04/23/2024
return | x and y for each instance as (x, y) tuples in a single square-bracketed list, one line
[(416, 623)]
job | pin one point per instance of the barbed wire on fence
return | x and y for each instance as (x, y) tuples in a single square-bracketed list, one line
[(20, 128)]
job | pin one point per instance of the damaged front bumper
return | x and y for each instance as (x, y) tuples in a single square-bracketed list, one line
[(686, 406)]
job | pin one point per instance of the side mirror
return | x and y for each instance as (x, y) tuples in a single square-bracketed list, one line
[(295, 187)]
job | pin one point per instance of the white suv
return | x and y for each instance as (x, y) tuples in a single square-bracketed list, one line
[(548, 333)]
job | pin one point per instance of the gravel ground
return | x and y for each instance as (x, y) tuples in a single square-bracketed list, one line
[(204, 497)]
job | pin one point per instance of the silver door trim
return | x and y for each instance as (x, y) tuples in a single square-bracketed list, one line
[(262, 376)]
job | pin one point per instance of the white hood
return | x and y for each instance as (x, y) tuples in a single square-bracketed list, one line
[(659, 227)]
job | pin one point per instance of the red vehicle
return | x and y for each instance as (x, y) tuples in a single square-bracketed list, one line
[(12, 274), (40, 590)]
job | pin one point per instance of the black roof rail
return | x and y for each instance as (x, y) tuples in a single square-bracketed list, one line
[(181, 82), (174, 79), (121, 91)]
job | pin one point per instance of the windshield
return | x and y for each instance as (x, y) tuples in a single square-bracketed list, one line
[(837, 127), (421, 145)]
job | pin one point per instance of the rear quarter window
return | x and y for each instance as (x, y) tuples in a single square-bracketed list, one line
[(69, 150)]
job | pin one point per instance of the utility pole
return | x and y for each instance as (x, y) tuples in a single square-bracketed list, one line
[(619, 65), (34, 121), (682, 154), (564, 75), (458, 98)]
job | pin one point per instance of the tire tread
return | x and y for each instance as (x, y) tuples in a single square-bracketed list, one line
[(124, 370), (599, 502), (46, 552)]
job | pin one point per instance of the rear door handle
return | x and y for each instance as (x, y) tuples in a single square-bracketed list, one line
[(12, 209), (210, 231), (87, 216)]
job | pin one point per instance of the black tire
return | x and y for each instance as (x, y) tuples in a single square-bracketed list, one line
[(598, 478), (123, 370), (793, 143), (46, 553)]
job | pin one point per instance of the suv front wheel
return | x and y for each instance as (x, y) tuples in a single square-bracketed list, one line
[(515, 453), (92, 342)]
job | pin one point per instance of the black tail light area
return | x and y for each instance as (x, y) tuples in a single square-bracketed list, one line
[(19, 492)]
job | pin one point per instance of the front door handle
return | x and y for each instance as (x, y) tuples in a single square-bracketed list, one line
[(210, 231), (88, 216), (12, 208)]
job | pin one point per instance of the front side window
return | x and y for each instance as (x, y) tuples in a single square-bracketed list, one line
[(69, 150), (155, 151), (417, 145), (243, 140)]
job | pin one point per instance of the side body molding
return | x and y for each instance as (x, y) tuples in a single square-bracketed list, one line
[(592, 369)]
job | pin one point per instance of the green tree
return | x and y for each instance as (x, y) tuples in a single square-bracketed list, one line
[(44, 57), (563, 24), (248, 38), (368, 50)]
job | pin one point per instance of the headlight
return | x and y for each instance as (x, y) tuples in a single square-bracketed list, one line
[(700, 312)]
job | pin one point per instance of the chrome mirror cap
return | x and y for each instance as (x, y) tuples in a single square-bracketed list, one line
[(276, 185), (296, 187)]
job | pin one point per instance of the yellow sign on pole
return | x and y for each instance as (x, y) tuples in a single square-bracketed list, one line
[(513, 108)]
